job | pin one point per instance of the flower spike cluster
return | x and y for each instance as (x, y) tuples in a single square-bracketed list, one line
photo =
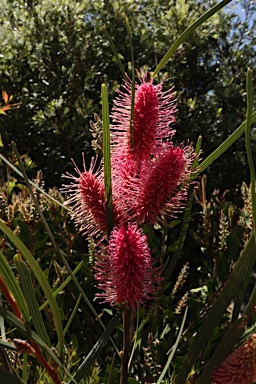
[(149, 182)]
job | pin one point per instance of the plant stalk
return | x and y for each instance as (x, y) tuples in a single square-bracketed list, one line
[(126, 344)]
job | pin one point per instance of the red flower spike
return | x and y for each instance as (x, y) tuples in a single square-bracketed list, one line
[(125, 273), (153, 112), (159, 185), (87, 195)]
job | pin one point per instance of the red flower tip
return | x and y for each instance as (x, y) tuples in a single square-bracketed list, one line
[(87, 195), (126, 273)]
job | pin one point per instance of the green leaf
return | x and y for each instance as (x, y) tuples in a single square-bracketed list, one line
[(32, 303), (115, 53), (33, 184), (174, 348), (188, 32), (217, 310), (107, 159), (228, 341), (96, 350), (248, 143), (225, 145), (41, 279), (13, 286)]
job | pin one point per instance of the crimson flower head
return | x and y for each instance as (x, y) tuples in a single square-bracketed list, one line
[(88, 199), (125, 272), (154, 111)]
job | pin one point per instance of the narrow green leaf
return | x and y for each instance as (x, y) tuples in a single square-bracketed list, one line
[(8, 378), (111, 369), (248, 143), (217, 310), (225, 145), (174, 348), (13, 286), (63, 285), (112, 45), (107, 159), (7, 345), (96, 350), (71, 317), (188, 32), (25, 367), (133, 84), (226, 344), (240, 296), (33, 184), (31, 299), (41, 279), (28, 333)]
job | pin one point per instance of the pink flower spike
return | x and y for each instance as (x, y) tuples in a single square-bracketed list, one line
[(87, 195), (153, 113), (159, 185), (126, 273)]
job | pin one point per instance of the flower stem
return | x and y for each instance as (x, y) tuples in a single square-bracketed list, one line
[(126, 345)]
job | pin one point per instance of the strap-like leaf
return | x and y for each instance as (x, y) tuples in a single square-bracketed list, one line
[(31, 299), (188, 32), (13, 286), (95, 351), (175, 346), (228, 341), (225, 145)]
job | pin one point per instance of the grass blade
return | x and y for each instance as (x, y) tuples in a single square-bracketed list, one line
[(133, 84), (31, 299), (240, 296), (174, 348), (33, 184), (188, 32), (95, 351), (13, 286), (248, 143), (112, 45), (225, 145), (230, 338)]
